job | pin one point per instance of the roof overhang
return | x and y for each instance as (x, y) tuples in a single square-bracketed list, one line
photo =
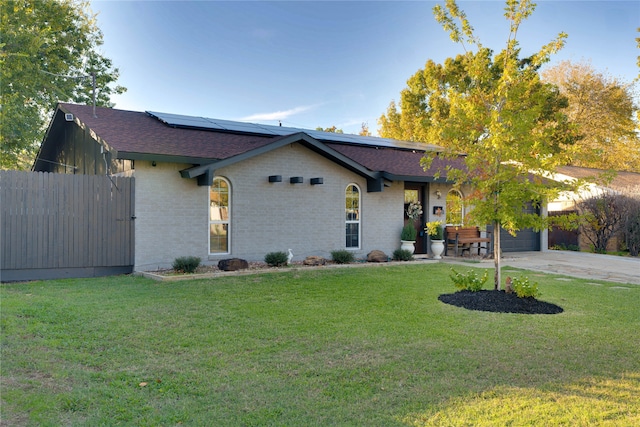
[(206, 171), (413, 178)]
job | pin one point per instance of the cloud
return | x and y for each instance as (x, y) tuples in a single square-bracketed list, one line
[(263, 33), (278, 115)]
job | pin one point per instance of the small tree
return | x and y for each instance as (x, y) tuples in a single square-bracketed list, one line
[(495, 110)]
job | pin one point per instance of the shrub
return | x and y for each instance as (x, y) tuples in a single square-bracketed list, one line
[(469, 281), (525, 289), (606, 215), (402, 255), (563, 247), (342, 256), (435, 230), (186, 264), (631, 230), (276, 259), (409, 233)]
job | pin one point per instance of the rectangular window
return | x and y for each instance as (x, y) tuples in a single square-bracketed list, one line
[(353, 235), (218, 241)]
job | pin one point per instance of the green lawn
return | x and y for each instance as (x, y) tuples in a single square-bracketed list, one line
[(351, 347)]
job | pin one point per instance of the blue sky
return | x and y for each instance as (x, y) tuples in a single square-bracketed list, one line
[(325, 63)]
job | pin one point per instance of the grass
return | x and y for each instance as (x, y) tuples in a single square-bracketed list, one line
[(362, 346)]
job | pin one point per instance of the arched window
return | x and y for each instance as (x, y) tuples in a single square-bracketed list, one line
[(352, 216), (455, 208), (219, 204)]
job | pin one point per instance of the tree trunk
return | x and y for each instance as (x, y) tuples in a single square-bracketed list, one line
[(496, 254)]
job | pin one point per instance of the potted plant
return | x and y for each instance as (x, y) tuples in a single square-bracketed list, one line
[(409, 232), (435, 230)]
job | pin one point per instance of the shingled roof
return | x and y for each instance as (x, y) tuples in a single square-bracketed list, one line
[(620, 181), (141, 135), (131, 134)]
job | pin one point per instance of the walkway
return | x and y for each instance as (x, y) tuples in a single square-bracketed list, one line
[(575, 264)]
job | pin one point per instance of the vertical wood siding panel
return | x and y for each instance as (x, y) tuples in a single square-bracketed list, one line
[(33, 242), (37, 233), (79, 222), (109, 214), (27, 253), (130, 238), (67, 232), (3, 218), (120, 223), (43, 183), (23, 222), (52, 212), (113, 213), (8, 206), (60, 222), (99, 201), (52, 220), (83, 212), (28, 227), (97, 224), (124, 221), (124, 224)]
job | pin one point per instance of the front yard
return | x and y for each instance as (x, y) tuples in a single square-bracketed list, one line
[(363, 346)]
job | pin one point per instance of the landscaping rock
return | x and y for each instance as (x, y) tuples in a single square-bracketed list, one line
[(377, 256), (314, 260), (232, 264)]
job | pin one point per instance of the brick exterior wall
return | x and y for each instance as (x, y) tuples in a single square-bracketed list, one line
[(171, 216), (265, 217)]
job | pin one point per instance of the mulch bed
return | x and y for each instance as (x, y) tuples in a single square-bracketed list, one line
[(499, 302)]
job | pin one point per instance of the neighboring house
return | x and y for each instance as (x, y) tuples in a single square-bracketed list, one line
[(596, 182), (219, 189)]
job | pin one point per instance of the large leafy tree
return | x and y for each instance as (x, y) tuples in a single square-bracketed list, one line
[(48, 53), (495, 109), (603, 108)]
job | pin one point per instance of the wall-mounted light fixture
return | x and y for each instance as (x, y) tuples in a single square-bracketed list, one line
[(438, 194), (316, 181), (296, 180), (275, 178)]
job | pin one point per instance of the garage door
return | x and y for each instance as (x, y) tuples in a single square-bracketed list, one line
[(525, 240)]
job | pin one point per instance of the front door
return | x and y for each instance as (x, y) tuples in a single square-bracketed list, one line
[(416, 193)]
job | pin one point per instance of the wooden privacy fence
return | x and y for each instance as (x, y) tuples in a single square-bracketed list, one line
[(57, 225)]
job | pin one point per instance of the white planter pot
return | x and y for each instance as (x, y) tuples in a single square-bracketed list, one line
[(437, 247), (408, 245)]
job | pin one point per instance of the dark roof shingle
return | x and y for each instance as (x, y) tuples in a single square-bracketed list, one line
[(136, 132)]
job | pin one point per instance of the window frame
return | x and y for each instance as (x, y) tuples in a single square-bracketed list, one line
[(358, 220), (226, 222), (459, 193)]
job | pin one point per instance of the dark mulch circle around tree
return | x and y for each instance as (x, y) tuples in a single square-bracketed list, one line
[(499, 302)]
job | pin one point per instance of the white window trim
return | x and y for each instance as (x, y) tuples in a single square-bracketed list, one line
[(358, 221), (228, 221)]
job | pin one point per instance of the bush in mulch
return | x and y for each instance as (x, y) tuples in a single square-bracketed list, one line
[(499, 302)]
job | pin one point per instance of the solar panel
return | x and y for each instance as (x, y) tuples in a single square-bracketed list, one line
[(178, 120)]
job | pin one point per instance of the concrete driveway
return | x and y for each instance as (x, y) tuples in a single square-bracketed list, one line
[(568, 263)]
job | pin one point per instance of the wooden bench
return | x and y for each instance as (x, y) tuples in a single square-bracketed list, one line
[(463, 238)]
